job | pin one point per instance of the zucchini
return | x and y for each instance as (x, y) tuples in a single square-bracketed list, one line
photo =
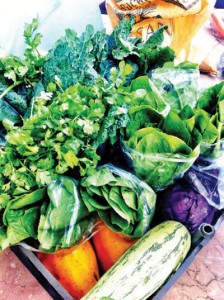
[(145, 267)]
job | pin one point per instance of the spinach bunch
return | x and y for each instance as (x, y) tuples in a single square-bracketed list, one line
[(20, 216), (64, 219)]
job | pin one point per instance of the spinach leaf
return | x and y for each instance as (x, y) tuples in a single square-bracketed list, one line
[(20, 218)]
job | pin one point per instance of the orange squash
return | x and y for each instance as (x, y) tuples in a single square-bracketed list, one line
[(75, 268), (109, 245)]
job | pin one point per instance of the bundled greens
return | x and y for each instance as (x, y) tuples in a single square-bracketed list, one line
[(18, 77), (122, 201), (86, 58), (178, 84), (58, 137), (212, 102), (160, 147), (64, 220), (158, 158), (206, 174)]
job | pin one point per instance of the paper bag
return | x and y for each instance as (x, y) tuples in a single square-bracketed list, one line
[(183, 17)]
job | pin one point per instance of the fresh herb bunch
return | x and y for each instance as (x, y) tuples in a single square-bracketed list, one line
[(26, 70), (18, 77), (61, 134)]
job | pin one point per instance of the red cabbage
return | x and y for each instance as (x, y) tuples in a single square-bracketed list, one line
[(182, 203)]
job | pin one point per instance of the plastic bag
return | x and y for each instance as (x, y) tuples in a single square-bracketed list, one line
[(122, 201), (178, 85), (65, 220), (54, 17), (206, 175), (158, 170)]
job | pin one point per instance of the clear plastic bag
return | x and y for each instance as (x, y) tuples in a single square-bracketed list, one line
[(178, 85), (64, 220), (206, 175), (158, 170), (124, 203)]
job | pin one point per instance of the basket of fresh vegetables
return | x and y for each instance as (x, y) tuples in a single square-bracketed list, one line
[(99, 139)]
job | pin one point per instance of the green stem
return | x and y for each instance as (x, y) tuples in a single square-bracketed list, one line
[(9, 88)]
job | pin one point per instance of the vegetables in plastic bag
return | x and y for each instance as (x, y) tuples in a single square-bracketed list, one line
[(212, 102), (180, 202), (65, 220), (121, 200), (158, 158), (179, 84), (206, 175)]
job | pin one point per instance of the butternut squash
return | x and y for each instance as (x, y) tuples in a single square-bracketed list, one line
[(75, 268), (109, 245)]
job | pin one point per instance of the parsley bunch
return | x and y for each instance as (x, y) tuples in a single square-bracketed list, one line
[(62, 134)]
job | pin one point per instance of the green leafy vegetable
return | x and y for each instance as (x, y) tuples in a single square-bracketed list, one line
[(21, 217), (72, 59), (212, 102), (18, 76), (65, 220), (178, 84), (8, 112), (158, 158), (152, 54), (13, 99), (123, 202), (86, 58)]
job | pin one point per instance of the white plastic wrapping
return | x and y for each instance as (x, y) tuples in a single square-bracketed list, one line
[(54, 17)]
